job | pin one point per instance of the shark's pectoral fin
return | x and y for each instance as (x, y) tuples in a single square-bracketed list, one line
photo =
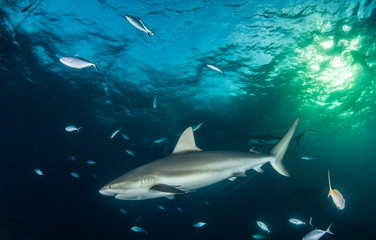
[(166, 188)]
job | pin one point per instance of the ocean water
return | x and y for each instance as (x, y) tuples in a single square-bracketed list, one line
[(280, 59)]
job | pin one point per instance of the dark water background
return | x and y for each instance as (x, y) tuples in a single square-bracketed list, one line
[(280, 59)]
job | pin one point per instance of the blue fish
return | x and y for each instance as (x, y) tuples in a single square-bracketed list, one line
[(160, 140), (130, 153), (39, 172), (200, 224), (308, 158), (74, 174), (125, 136), (90, 162), (155, 103), (138, 229)]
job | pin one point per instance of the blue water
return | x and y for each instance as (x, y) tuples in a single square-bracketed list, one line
[(281, 59)]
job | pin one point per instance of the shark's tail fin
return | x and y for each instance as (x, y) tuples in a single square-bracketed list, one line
[(279, 150)]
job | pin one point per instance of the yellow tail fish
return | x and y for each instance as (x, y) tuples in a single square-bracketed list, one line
[(337, 197)]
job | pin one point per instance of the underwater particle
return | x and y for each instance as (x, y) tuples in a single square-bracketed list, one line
[(114, 133), (317, 233), (74, 174), (214, 68), (195, 128), (337, 197), (155, 103), (72, 128), (79, 63), (123, 211), (308, 158), (95, 175), (139, 24), (296, 221), (138, 229), (39, 172), (259, 236), (91, 162), (200, 224), (131, 153), (73, 158), (125, 136), (263, 226), (160, 140)]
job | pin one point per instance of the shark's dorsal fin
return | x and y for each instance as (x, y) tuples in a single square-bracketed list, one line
[(186, 142)]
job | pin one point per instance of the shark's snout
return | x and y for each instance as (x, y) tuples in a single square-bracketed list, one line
[(107, 191)]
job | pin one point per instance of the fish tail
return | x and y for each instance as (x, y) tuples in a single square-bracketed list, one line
[(78, 129), (328, 230), (297, 138), (330, 186), (279, 150)]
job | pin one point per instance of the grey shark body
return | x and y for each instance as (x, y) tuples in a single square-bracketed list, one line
[(189, 168)]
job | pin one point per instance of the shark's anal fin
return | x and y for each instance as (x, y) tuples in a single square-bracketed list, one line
[(186, 142), (166, 188)]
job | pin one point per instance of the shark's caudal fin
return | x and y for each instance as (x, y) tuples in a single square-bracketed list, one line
[(279, 150)]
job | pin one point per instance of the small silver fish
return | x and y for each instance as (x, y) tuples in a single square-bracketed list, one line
[(160, 140), (317, 233), (138, 229), (180, 210), (200, 224), (74, 174), (125, 136), (139, 24), (263, 226), (114, 133), (337, 197), (130, 153), (79, 63), (72, 128), (123, 211), (39, 172), (308, 158), (296, 221), (195, 128), (258, 236), (90, 162), (214, 68), (155, 103)]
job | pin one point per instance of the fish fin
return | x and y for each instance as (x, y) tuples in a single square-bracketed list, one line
[(254, 150), (148, 34), (78, 129), (330, 186), (279, 150), (232, 179), (166, 188), (310, 222), (258, 169), (239, 174), (297, 138), (186, 142), (328, 230), (96, 68)]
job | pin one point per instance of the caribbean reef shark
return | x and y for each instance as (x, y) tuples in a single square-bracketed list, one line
[(189, 168)]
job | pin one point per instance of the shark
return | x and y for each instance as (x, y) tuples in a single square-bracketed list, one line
[(189, 168)]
